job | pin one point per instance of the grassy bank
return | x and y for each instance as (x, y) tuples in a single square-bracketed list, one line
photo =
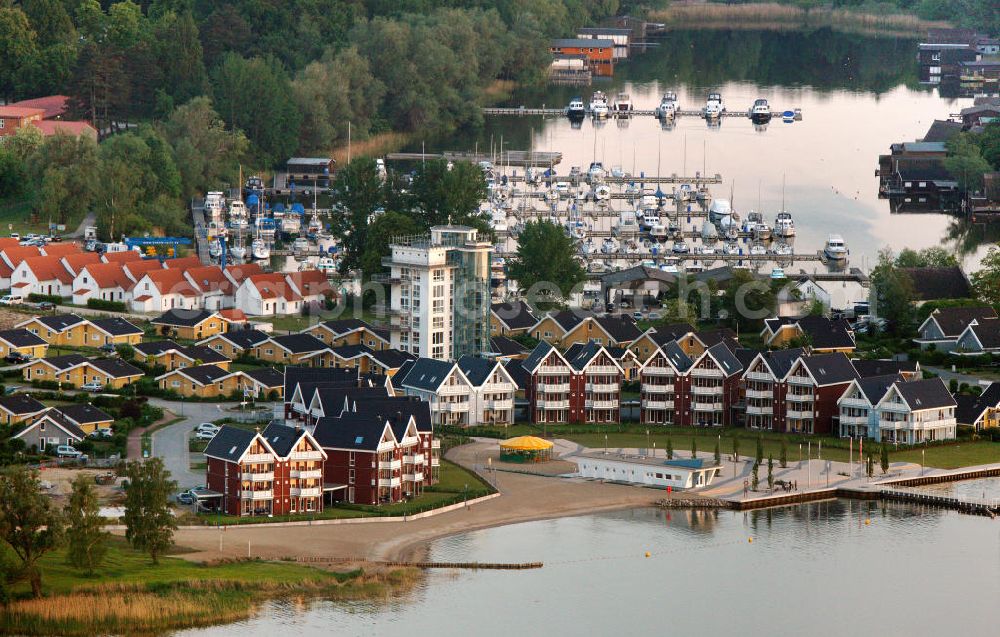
[(776, 16), (129, 595)]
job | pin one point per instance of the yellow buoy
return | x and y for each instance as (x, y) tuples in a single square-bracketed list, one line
[(750, 540), (867, 521), (647, 554)]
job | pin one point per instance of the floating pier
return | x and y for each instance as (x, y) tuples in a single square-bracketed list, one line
[(521, 158), (522, 111)]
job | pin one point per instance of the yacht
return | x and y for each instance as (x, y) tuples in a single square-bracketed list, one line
[(681, 248), (576, 109), (327, 265), (599, 105), (782, 249), (778, 273), (215, 249), (758, 250), (708, 231), (609, 246), (731, 248), (760, 110), (626, 223), (315, 225), (714, 108), (668, 106), (835, 248), (658, 231), (784, 226), (215, 202), (300, 245), (260, 249), (291, 223), (623, 103), (602, 193), (596, 171), (720, 210), (254, 185), (648, 218), (238, 214), (760, 230)]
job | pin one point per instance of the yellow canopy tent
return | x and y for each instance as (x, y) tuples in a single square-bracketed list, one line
[(525, 449)]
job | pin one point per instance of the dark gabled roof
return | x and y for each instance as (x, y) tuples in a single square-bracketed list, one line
[(66, 361), (725, 358), (325, 376), (926, 394), (392, 405), (518, 373), (20, 404), (579, 355), (374, 379), (182, 318), (282, 439), (244, 339), (21, 338), (722, 335), (971, 408), (670, 332), (942, 130), (300, 343), (824, 333), (427, 374), (988, 333), (116, 326), (506, 346), (203, 374), (60, 322), (568, 319), (954, 320), (266, 376), (781, 360), (390, 358), (476, 369), (203, 353), (939, 283), (361, 432), (870, 368), (830, 369), (922, 169), (537, 355), (230, 443), (343, 326), (155, 348), (745, 356), (350, 351), (517, 315), (56, 416), (83, 413), (681, 361), (116, 367), (619, 352), (875, 387), (401, 373), (621, 328), (334, 399)]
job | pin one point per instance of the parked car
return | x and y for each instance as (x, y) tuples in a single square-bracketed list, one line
[(15, 235), (637, 315), (103, 432), (205, 435), (185, 497), (68, 451), (46, 305), (92, 386), (8, 299), (16, 358), (54, 238), (108, 348), (208, 426), (655, 316)]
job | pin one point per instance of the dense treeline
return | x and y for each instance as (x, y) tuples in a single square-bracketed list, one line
[(200, 86)]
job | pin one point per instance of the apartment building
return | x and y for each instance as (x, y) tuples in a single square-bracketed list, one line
[(814, 384), (443, 385), (764, 388), (548, 384), (492, 399), (665, 386), (859, 416), (715, 387), (917, 411), (597, 378)]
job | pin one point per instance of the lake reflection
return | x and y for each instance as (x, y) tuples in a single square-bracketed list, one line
[(811, 570)]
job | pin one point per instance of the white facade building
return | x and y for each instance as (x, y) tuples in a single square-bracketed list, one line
[(646, 470)]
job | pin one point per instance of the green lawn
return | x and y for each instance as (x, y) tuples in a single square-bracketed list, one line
[(15, 216)]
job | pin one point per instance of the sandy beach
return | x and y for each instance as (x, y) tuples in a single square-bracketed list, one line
[(524, 497)]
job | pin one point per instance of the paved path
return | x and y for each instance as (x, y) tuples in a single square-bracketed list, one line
[(946, 375), (89, 220), (171, 443)]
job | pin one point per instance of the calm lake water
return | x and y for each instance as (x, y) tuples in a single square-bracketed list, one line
[(858, 95), (811, 570)]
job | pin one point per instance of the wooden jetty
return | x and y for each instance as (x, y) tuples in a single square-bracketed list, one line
[(974, 506), (522, 158), (523, 111), (638, 257)]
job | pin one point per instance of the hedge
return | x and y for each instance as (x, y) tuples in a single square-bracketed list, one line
[(41, 298), (110, 306)]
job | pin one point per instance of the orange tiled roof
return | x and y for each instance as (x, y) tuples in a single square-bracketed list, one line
[(61, 249), (135, 269), (109, 275), (20, 111), (240, 273), (233, 315), (273, 286), (74, 129), (8, 242), (183, 263), (76, 261), (172, 282), (310, 282), (48, 269), (51, 105), (16, 254), (126, 256), (210, 278)]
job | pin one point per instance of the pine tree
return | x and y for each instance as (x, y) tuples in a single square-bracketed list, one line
[(754, 478), (694, 447), (87, 540), (783, 458), (770, 472), (884, 459), (718, 452), (670, 448)]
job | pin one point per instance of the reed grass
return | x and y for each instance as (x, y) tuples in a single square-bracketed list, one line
[(373, 146), (775, 16)]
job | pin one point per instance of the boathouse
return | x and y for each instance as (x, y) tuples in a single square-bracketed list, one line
[(600, 54), (648, 470)]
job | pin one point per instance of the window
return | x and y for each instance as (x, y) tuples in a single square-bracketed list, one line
[(175, 383)]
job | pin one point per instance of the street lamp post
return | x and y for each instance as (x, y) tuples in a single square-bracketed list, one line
[(647, 442)]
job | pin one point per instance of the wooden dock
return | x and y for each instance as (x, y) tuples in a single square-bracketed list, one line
[(521, 158), (639, 257), (523, 111)]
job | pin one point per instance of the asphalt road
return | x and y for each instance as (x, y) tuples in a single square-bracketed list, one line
[(171, 443)]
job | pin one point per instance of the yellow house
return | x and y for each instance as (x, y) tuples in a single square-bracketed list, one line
[(84, 415), (112, 373), (18, 408), (114, 331), (191, 325), (21, 341), (60, 329), (818, 333), (203, 381), (290, 349), (568, 328), (234, 343), (69, 370), (511, 319), (344, 332), (262, 383), (651, 340)]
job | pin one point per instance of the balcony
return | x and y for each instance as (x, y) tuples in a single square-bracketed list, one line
[(553, 404), (601, 404), (797, 414), (854, 420), (454, 407), (435, 462), (305, 492), (759, 376), (603, 388), (500, 404), (306, 455), (259, 477), (711, 407), (657, 404), (413, 477), (554, 388), (606, 370), (390, 483), (760, 410), (257, 495), (254, 458), (435, 444), (657, 371), (500, 388), (657, 389), (391, 465), (553, 369), (859, 403), (760, 393), (706, 391), (305, 474), (898, 408), (414, 459), (800, 380), (452, 390), (799, 398), (706, 372)]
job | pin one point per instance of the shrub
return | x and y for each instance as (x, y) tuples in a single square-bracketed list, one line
[(55, 299), (110, 306)]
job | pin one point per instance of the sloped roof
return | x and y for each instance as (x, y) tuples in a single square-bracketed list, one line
[(281, 438), (345, 326), (390, 358), (83, 413), (67, 127), (125, 256), (243, 339), (537, 355), (21, 404), (273, 286), (48, 269), (74, 262), (722, 335), (988, 333), (210, 278), (516, 315), (155, 348), (954, 320), (621, 328), (971, 408), (172, 281), (60, 249), (295, 375), (201, 374), (266, 376), (725, 358), (230, 443), (939, 283), (20, 337), (517, 372), (361, 432), (506, 346), (310, 282), (825, 333), (135, 269), (53, 415), (182, 318), (579, 355), (51, 105), (477, 370), (116, 326), (407, 406), (427, 374), (670, 332), (182, 263), (66, 361), (942, 131), (108, 275), (300, 343), (869, 368), (830, 369), (875, 387), (930, 393), (205, 354), (116, 367), (60, 322), (673, 352)]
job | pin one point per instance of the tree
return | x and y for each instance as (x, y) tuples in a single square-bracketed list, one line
[(892, 291), (754, 477), (670, 448), (884, 458), (718, 452), (17, 49), (965, 162), (87, 539), (936, 257), (546, 255), (986, 280), (149, 523), (387, 226), (870, 465), (747, 301), (759, 457), (736, 448), (446, 192), (694, 447), (360, 194), (29, 524), (783, 454), (770, 472), (205, 152)]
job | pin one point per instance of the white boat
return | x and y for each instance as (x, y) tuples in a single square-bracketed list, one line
[(758, 250), (215, 249), (683, 193), (300, 245), (315, 225), (596, 171), (627, 224), (587, 247), (599, 104), (238, 214), (291, 223), (760, 110), (260, 249), (784, 226), (709, 250), (215, 203), (327, 265), (778, 273), (760, 230), (709, 231), (576, 109), (609, 246), (782, 249), (719, 210), (714, 108), (731, 248), (238, 253), (668, 106), (835, 248), (602, 193), (623, 103), (658, 231), (694, 266), (680, 248)]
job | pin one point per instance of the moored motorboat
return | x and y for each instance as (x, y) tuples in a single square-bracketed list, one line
[(835, 248)]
